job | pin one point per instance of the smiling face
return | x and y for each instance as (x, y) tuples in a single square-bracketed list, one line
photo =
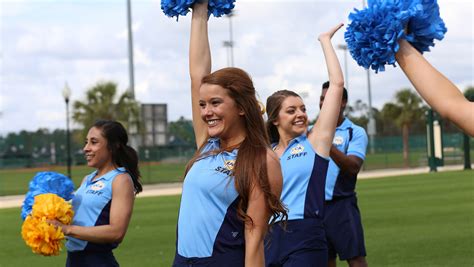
[(292, 119), (220, 112), (95, 149)]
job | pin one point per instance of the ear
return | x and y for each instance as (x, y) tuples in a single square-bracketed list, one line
[(241, 112), (275, 122)]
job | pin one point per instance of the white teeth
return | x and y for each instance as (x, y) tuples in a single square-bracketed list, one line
[(211, 122)]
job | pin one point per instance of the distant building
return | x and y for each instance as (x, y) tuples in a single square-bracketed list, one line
[(155, 122)]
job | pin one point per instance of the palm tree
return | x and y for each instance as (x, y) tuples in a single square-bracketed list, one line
[(102, 102), (407, 109)]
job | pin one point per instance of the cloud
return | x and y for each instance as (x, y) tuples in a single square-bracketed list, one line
[(46, 43)]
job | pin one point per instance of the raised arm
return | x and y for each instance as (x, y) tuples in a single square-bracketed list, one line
[(199, 64), (323, 133), (440, 93)]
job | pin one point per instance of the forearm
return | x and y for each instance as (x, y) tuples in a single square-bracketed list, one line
[(254, 255), (199, 50), (439, 92), (97, 234), (346, 164)]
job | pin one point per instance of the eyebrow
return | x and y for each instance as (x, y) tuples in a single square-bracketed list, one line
[(212, 99), (295, 106)]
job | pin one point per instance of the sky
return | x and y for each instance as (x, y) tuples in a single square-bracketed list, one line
[(46, 44)]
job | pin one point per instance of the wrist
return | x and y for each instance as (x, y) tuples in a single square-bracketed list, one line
[(66, 229)]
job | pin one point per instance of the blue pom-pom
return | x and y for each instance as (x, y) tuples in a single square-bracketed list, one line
[(220, 7), (47, 182), (425, 26), (373, 34), (175, 8)]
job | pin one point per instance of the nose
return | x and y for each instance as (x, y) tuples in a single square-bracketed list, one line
[(207, 111), (300, 113), (86, 147)]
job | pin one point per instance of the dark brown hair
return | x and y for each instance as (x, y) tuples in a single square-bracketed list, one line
[(273, 109), (123, 155), (250, 166)]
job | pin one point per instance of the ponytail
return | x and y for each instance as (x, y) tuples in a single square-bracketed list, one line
[(123, 155), (129, 160)]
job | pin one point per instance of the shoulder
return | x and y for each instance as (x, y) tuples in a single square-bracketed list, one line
[(359, 132), (272, 157), (123, 180), (356, 129), (84, 179), (275, 177)]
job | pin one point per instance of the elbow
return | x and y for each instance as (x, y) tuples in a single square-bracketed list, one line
[(353, 169), (117, 237), (337, 82)]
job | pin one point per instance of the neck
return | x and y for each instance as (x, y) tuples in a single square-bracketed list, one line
[(285, 139), (340, 119), (233, 141), (105, 169)]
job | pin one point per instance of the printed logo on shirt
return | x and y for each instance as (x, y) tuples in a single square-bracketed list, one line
[(229, 164), (296, 152), (338, 140), (95, 188), (98, 185), (297, 149), (228, 168)]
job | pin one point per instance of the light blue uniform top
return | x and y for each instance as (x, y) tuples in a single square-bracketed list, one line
[(304, 173), (208, 222), (351, 140), (91, 204)]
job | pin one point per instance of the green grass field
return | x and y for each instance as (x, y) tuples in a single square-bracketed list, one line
[(15, 181), (418, 220)]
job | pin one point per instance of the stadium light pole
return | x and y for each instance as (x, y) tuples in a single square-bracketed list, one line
[(130, 50), (230, 44), (133, 131), (371, 126), (67, 96), (346, 73)]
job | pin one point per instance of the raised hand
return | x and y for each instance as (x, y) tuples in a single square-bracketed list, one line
[(329, 34)]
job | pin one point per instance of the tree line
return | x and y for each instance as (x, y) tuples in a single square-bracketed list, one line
[(404, 115)]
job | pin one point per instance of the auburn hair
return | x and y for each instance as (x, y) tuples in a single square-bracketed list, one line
[(250, 167)]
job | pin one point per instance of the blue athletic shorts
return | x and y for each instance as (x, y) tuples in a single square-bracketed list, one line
[(235, 258), (301, 244), (91, 258), (343, 226)]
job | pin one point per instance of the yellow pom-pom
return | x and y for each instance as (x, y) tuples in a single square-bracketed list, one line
[(43, 237), (52, 207)]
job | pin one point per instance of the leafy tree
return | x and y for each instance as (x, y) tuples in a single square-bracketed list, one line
[(358, 113), (102, 102), (406, 110), (181, 131), (469, 93)]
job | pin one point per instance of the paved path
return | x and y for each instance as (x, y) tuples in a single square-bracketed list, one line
[(175, 188)]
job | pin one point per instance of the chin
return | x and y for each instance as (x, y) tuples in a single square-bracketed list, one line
[(90, 164), (214, 132), (299, 132)]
